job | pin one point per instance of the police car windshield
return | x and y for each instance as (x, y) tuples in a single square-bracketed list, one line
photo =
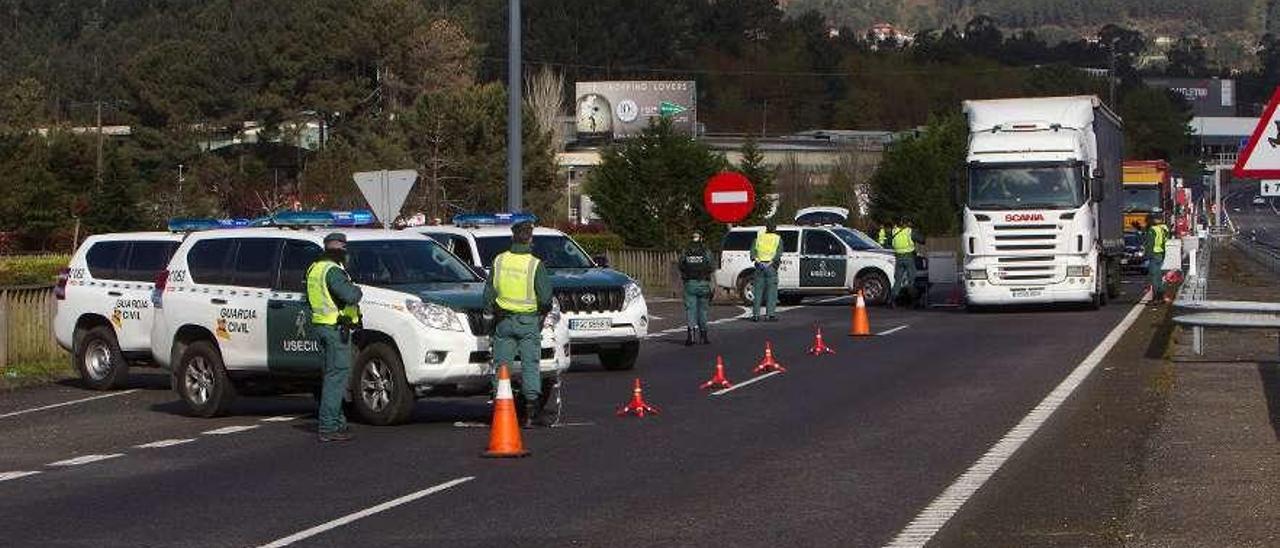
[(555, 250), (383, 263), (856, 239)]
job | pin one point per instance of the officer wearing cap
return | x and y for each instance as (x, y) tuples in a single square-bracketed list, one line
[(518, 294), (696, 267), (334, 315)]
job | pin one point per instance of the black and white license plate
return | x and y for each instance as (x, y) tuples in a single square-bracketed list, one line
[(1026, 292), (591, 324)]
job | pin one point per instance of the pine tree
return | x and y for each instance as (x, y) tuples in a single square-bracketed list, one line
[(762, 178)]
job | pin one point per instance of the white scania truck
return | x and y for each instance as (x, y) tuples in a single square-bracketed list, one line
[(1042, 216)]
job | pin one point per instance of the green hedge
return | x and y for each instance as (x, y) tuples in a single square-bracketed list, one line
[(598, 244), (31, 269)]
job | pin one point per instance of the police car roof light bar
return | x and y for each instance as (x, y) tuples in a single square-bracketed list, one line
[(493, 219), (192, 224), (359, 217)]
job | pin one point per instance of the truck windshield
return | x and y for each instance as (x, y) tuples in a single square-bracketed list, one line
[(557, 251), (1141, 198), (1025, 187), (384, 263)]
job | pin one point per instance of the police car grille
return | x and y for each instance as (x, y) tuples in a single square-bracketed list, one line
[(590, 299), (475, 319)]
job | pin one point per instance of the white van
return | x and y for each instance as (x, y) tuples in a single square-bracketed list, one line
[(816, 260), (232, 317), (103, 312)]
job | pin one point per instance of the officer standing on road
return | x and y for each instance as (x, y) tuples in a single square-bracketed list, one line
[(334, 314), (519, 294), (765, 254), (904, 241), (696, 266), (1157, 237)]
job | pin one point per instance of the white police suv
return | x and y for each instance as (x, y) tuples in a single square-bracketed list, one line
[(816, 260), (231, 317), (103, 312), (605, 308)]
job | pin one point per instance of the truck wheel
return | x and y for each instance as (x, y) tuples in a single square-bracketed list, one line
[(1113, 278), (382, 395), (621, 359), (875, 287), (746, 289), (98, 359), (201, 380)]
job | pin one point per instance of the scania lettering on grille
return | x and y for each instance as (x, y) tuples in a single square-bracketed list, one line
[(1023, 217)]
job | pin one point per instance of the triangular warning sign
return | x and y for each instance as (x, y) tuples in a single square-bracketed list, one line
[(1261, 156), (385, 191)]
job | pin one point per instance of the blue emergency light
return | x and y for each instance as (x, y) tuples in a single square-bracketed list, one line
[(192, 224), (493, 219), (359, 217)]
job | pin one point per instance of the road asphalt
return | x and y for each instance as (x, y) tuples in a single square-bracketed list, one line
[(841, 450)]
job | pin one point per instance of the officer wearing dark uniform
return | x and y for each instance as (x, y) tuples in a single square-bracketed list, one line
[(696, 266), (334, 315), (519, 295)]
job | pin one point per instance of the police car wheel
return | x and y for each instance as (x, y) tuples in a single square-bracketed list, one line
[(875, 288), (98, 359), (746, 289), (621, 359), (202, 380), (380, 394)]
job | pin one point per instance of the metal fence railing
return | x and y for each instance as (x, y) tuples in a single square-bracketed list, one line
[(655, 271), (1203, 313), (26, 325)]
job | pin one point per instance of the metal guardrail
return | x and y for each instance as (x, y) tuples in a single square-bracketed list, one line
[(1205, 313)]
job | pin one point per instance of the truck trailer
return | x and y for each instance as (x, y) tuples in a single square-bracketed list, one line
[(1146, 187), (1042, 215)]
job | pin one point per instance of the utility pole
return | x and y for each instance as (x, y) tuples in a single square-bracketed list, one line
[(1111, 78), (177, 198), (97, 100), (515, 148)]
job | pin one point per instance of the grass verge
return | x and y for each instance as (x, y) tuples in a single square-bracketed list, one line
[(39, 372)]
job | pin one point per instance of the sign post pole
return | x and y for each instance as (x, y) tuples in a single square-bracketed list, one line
[(514, 122)]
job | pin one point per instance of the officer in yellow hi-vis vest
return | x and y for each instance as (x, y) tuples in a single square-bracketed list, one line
[(903, 240), (765, 253), (1157, 240), (518, 293), (334, 314)]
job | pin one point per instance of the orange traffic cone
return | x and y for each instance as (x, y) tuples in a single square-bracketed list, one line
[(637, 406), (768, 363), (860, 326), (718, 380), (820, 346), (504, 433)]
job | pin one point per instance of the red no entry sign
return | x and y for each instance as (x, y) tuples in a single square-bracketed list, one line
[(729, 197)]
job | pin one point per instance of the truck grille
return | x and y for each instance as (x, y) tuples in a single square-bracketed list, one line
[(1026, 270), (1022, 238), (590, 299)]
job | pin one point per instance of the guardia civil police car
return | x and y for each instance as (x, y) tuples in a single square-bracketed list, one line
[(103, 312), (231, 317), (605, 308), (815, 260)]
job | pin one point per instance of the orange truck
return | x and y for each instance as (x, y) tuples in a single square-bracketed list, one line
[(1146, 187)]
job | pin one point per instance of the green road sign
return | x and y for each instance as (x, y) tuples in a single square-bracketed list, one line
[(667, 109)]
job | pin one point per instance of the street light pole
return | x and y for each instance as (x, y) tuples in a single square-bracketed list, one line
[(514, 129)]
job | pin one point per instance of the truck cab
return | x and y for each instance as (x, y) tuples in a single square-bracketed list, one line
[(1041, 215)]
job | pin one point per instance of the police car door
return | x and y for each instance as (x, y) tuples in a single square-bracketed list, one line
[(132, 312), (241, 321), (823, 260), (293, 348), (789, 262)]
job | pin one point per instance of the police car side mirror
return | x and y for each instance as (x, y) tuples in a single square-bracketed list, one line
[(601, 260)]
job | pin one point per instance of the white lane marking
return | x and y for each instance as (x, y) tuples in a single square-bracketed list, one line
[(931, 520), (6, 476), (892, 331), (164, 443), (229, 430), (729, 197), (281, 418), (655, 317), (302, 535), (747, 383), (66, 403), (85, 459)]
